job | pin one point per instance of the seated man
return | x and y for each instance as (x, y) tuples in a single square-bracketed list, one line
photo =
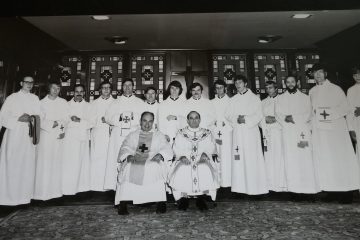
[(194, 172), (142, 170)]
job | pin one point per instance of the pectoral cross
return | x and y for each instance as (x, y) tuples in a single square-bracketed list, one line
[(143, 147), (324, 114), (62, 128), (126, 119), (302, 135), (237, 156), (237, 149), (219, 134)]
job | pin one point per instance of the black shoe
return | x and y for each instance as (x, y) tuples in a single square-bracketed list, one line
[(122, 210), (183, 204), (201, 204), (161, 207)]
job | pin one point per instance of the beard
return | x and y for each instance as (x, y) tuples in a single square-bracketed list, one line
[(291, 90)]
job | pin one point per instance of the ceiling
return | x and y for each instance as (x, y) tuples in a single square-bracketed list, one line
[(196, 30)]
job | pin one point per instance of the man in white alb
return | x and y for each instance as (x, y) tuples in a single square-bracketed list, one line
[(151, 104)]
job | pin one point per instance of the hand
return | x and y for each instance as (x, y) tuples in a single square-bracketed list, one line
[(353, 136), (289, 119), (103, 119), (61, 136), (357, 112), (157, 158), (75, 119), (203, 158), (24, 118), (55, 124), (130, 159), (167, 138), (184, 160), (171, 117), (270, 119), (241, 119)]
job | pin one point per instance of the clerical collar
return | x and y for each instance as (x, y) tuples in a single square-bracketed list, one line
[(174, 99), (128, 96), (220, 97), (151, 103), (77, 101), (106, 98), (273, 96), (197, 98), (243, 92)]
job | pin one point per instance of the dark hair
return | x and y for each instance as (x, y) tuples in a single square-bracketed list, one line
[(128, 80), (220, 82), (187, 116), (53, 82), (79, 85), (271, 82), (175, 84), (148, 89), (319, 66), (241, 77), (291, 75), (146, 112), (196, 84), (103, 83), (355, 69)]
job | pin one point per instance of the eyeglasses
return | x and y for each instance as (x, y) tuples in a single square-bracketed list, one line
[(28, 82)]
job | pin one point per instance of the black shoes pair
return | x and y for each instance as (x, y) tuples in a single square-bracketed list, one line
[(160, 208), (183, 204)]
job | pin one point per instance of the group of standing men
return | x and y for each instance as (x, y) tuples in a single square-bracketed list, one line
[(195, 145)]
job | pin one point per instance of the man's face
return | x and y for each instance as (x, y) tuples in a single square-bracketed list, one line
[(290, 83), (220, 90), (240, 85), (196, 92), (79, 93), (146, 122), (320, 76), (127, 88), (27, 84), (150, 95), (356, 76), (194, 120), (54, 90), (174, 91), (105, 90), (270, 90)]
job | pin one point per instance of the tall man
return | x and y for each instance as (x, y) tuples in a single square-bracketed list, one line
[(201, 105), (353, 96), (194, 171), (293, 111), (272, 141), (151, 104), (143, 161), (17, 152), (171, 118), (100, 136), (54, 119), (336, 165), (76, 152), (248, 165), (124, 115), (222, 132)]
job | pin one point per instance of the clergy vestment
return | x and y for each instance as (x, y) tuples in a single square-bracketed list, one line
[(222, 132), (337, 168), (248, 166), (76, 150), (124, 115), (353, 96), (299, 164), (173, 107), (196, 178), (143, 180), (17, 152), (49, 151), (205, 108), (100, 136), (153, 108), (273, 147)]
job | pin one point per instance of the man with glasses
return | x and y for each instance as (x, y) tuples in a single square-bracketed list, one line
[(100, 136), (17, 152)]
